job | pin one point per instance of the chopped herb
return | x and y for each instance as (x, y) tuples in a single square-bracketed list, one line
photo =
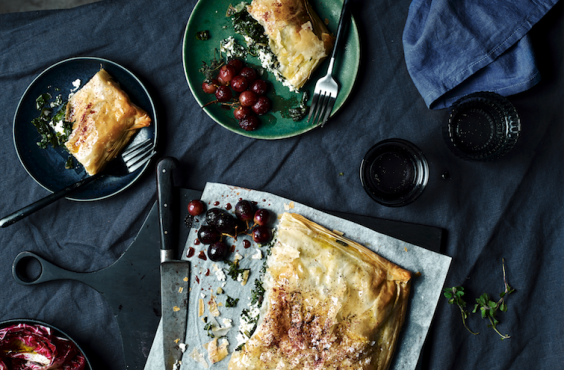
[(69, 164), (42, 100), (341, 174), (257, 294), (231, 302), (302, 110), (209, 71), (203, 35), (208, 328), (341, 242), (240, 347), (234, 269)]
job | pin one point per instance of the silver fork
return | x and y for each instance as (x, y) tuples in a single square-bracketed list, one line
[(326, 88), (130, 161)]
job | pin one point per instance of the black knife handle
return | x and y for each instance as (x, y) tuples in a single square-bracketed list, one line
[(165, 201)]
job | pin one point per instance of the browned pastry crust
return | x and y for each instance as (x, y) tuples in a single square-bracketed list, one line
[(297, 36), (330, 303), (104, 120)]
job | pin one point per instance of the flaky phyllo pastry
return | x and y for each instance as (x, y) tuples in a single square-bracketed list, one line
[(297, 36), (330, 303), (104, 120)]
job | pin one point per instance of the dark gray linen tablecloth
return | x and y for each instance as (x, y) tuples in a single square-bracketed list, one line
[(511, 208)]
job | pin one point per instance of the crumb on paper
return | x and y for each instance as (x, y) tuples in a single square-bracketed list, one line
[(186, 278), (223, 285), (289, 206), (340, 233), (212, 306), (219, 290), (177, 340), (245, 277), (176, 308), (215, 353), (200, 307), (180, 289), (418, 273), (220, 304), (257, 255), (198, 357), (238, 257), (405, 248)]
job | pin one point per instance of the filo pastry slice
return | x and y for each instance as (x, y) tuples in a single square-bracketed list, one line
[(296, 34), (330, 303), (104, 120)]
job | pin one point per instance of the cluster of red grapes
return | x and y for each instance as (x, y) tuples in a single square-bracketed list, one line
[(221, 222), (244, 80)]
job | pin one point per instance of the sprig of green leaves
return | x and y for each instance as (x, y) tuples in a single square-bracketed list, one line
[(454, 296), (488, 308)]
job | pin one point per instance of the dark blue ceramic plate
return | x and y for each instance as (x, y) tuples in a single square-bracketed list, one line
[(47, 166)]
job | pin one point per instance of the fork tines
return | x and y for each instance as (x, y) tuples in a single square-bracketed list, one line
[(321, 107), (138, 154)]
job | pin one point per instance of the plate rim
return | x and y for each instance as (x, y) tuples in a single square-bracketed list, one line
[(9, 322), (353, 31), (85, 58)]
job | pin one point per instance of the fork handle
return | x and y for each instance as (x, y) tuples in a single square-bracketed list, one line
[(41, 203), (341, 30)]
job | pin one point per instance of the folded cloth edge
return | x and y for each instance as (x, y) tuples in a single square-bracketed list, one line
[(430, 80)]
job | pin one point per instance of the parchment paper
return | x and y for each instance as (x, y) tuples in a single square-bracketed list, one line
[(426, 288)]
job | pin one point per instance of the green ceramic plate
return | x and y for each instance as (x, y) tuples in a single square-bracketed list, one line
[(210, 15)]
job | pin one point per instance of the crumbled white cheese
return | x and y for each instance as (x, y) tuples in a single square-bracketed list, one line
[(239, 277), (227, 323), (183, 347), (220, 275), (76, 84), (238, 257), (202, 295), (58, 127), (258, 255), (223, 285)]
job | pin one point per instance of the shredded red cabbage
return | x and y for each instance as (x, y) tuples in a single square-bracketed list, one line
[(34, 347)]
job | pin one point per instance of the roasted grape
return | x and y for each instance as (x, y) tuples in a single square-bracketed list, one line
[(261, 106), (244, 210), (218, 251), (248, 98), (225, 223), (262, 234), (262, 217), (211, 87), (212, 215), (237, 63), (223, 94), (242, 112), (196, 207), (249, 123), (239, 83), (226, 73), (259, 87), (249, 73), (208, 234)]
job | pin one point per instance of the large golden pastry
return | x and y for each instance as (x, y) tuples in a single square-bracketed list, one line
[(330, 303), (104, 120), (297, 36)]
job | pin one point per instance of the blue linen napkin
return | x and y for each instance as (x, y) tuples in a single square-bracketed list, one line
[(454, 48)]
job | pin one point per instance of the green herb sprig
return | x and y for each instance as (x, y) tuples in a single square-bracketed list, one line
[(488, 308), (301, 110), (454, 296), (231, 302), (210, 70)]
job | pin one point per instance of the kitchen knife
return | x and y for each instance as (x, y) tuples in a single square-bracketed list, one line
[(174, 273)]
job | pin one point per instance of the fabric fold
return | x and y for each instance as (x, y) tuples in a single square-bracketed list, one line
[(456, 48)]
